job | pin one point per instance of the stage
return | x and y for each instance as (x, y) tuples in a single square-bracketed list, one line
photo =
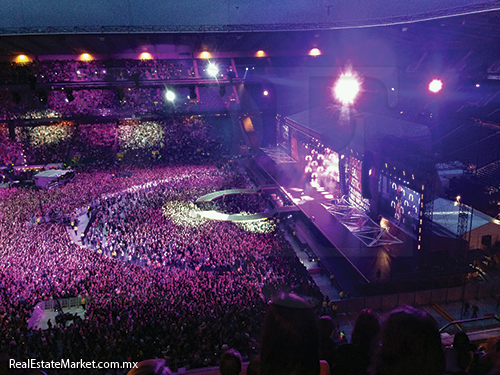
[(375, 254)]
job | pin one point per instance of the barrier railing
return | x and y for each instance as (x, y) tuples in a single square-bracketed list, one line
[(459, 324), (64, 303), (471, 291)]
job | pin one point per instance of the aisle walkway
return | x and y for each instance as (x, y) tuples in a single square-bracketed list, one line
[(76, 236)]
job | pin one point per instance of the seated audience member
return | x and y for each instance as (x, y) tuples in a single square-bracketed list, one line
[(327, 345), (230, 362), (459, 357), (290, 339), (489, 363), (354, 358), (364, 337), (253, 367), (410, 345)]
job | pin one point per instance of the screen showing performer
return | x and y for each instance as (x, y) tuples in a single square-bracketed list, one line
[(399, 204)]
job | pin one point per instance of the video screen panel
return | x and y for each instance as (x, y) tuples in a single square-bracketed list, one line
[(323, 166), (355, 187), (399, 203), (283, 136)]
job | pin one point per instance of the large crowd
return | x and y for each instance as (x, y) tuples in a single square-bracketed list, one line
[(158, 280), (56, 71), (99, 88), (238, 203), (179, 139), (194, 288)]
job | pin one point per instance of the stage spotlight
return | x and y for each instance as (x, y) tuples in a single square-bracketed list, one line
[(85, 57), (145, 56), (314, 52), (212, 70), (266, 93), (435, 86), (21, 59), (205, 55), (260, 54), (222, 91), (170, 96), (347, 88)]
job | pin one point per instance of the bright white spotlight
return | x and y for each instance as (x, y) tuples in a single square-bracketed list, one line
[(212, 70), (435, 86), (347, 88), (314, 52), (170, 96), (266, 93)]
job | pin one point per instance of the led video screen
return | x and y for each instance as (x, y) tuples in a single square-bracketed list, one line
[(355, 188), (399, 203)]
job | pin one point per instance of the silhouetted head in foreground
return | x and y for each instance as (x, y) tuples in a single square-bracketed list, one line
[(290, 339), (230, 362), (410, 344)]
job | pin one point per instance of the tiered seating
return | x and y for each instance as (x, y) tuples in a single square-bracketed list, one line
[(490, 174)]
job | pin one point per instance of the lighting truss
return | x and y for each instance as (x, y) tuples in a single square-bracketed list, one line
[(360, 224), (278, 155)]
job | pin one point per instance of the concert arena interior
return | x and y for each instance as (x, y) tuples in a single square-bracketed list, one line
[(249, 188)]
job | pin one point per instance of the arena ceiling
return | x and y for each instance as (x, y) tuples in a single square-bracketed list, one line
[(103, 28), (455, 32), (48, 16)]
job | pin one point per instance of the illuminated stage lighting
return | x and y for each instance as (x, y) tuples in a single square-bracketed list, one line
[(205, 55), (145, 56), (85, 57), (435, 86), (346, 89), (260, 54), (212, 70), (314, 52), (21, 59), (170, 96), (266, 93), (329, 196)]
